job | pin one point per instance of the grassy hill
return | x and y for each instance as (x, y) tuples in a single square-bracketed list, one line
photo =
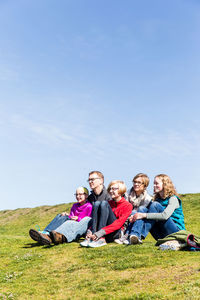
[(67, 271)]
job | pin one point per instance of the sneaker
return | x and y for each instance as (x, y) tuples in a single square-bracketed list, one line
[(41, 238), (99, 243), (134, 240), (87, 240), (172, 245), (85, 243), (118, 241), (126, 242), (122, 239)]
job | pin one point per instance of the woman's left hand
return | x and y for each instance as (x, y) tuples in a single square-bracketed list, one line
[(138, 216)]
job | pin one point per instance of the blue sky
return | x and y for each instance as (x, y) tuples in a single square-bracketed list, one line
[(97, 85)]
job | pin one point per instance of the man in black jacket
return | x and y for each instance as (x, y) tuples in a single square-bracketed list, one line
[(99, 198)]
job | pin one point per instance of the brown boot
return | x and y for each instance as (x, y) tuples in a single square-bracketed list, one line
[(57, 238), (41, 238)]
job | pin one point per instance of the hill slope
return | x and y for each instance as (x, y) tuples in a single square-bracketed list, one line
[(67, 271)]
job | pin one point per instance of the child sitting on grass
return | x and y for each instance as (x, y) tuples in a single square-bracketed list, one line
[(67, 227)]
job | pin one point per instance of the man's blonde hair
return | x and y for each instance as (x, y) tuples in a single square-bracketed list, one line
[(98, 174)]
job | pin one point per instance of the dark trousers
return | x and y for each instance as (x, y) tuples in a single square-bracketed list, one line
[(102, 216)]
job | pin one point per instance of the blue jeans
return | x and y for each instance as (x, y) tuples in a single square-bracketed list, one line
[(158, 229), (56, 222), (129, 230), (73, 230)]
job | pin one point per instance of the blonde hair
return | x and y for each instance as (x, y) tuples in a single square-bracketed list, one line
[(144, 177), (121, 185), (168, 187), (98, 173), (84, 189)]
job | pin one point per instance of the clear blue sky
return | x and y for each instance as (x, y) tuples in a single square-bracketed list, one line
[(97, 85)]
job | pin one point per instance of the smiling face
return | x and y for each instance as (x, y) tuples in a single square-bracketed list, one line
[(81, 196), (138, 186), (95, 181), (158, 186), (114, 191)]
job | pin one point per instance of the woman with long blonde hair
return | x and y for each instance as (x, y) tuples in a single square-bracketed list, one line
[(164, 215)]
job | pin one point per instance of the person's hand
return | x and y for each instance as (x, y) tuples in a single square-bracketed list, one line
[(64, 214), (138, 216), (94, 237), (75, 218), (89, 234), (130, 219)]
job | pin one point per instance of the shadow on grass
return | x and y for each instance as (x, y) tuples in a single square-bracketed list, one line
[(33, 245)]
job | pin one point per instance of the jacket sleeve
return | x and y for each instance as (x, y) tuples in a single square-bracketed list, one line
[(173, 204), (118, 223), (72, 211)]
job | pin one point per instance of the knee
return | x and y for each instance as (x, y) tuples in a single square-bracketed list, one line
[(85, 219), (96, 204), (104, 204), (156, 206), (142, 209)]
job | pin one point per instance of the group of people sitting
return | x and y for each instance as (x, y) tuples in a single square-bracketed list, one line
[(115, 214)]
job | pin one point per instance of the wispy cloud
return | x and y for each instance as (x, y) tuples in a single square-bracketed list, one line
[(141, 144)]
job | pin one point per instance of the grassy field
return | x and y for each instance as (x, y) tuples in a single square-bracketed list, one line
[(67, 271)]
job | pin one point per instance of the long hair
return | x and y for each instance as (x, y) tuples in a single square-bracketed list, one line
[(168, 187)]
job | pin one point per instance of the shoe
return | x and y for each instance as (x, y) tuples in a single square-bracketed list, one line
[(122, 240), (41, 238), (99, 243), (85, 243), (126, 242), (172, 245), (57, 237), (118, 241), (134, 240)]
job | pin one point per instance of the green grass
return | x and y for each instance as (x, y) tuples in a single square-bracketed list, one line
[(67, 271)]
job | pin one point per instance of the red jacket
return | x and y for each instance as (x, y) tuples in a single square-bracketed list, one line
[(122, 210)]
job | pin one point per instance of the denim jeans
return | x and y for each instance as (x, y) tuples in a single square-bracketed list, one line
[(73, 230), (101, 214), (56, 222), (130, 229), (158, 229)]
